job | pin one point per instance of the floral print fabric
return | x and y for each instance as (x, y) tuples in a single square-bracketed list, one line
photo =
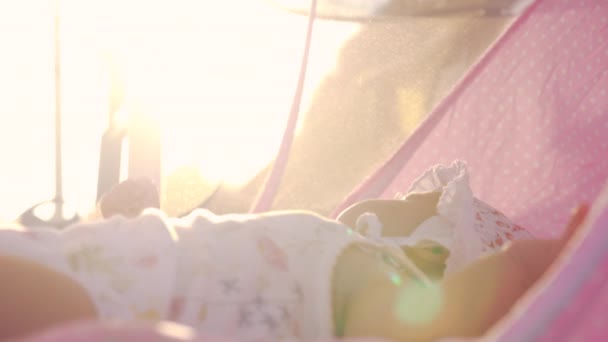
[(251, 277)]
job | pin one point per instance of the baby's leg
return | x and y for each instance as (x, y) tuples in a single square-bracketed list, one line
[(33, 297)]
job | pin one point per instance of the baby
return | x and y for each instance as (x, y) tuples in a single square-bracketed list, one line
[(275, 276)]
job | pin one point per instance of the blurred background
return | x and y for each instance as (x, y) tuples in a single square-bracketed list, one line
[(218, 78)]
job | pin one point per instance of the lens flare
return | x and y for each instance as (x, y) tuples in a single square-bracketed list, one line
[(396, 279), (418, 304)]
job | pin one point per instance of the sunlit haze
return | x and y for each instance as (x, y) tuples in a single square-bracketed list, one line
[(218, 75)]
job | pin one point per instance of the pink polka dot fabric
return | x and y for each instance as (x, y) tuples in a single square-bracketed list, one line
[(530, 119)]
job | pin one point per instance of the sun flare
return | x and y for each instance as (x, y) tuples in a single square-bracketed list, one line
[(218, 76)]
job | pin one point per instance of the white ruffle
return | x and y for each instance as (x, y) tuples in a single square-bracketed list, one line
[(452, 227), (455, 213)]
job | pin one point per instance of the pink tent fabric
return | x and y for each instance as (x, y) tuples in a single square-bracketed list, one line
[(571, 303), (531, 119), (132, 331)]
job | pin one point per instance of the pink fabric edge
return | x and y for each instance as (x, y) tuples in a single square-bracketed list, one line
[(374, 185), (99, 331), (546, 300), (269, 191)]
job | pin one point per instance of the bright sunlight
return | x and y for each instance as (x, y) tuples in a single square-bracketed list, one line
[(219, 77)]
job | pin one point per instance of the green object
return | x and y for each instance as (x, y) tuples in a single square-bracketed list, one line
[(437, 250)]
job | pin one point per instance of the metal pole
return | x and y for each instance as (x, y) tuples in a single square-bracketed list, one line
[(58, 136)]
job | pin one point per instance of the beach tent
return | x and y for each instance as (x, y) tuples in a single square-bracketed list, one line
[(531, 120)]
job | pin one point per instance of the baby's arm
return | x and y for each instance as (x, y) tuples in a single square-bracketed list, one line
[(398, 217), (464, 304), (33, 297)]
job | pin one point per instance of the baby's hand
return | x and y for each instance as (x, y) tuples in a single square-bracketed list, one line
[(130, 198)]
